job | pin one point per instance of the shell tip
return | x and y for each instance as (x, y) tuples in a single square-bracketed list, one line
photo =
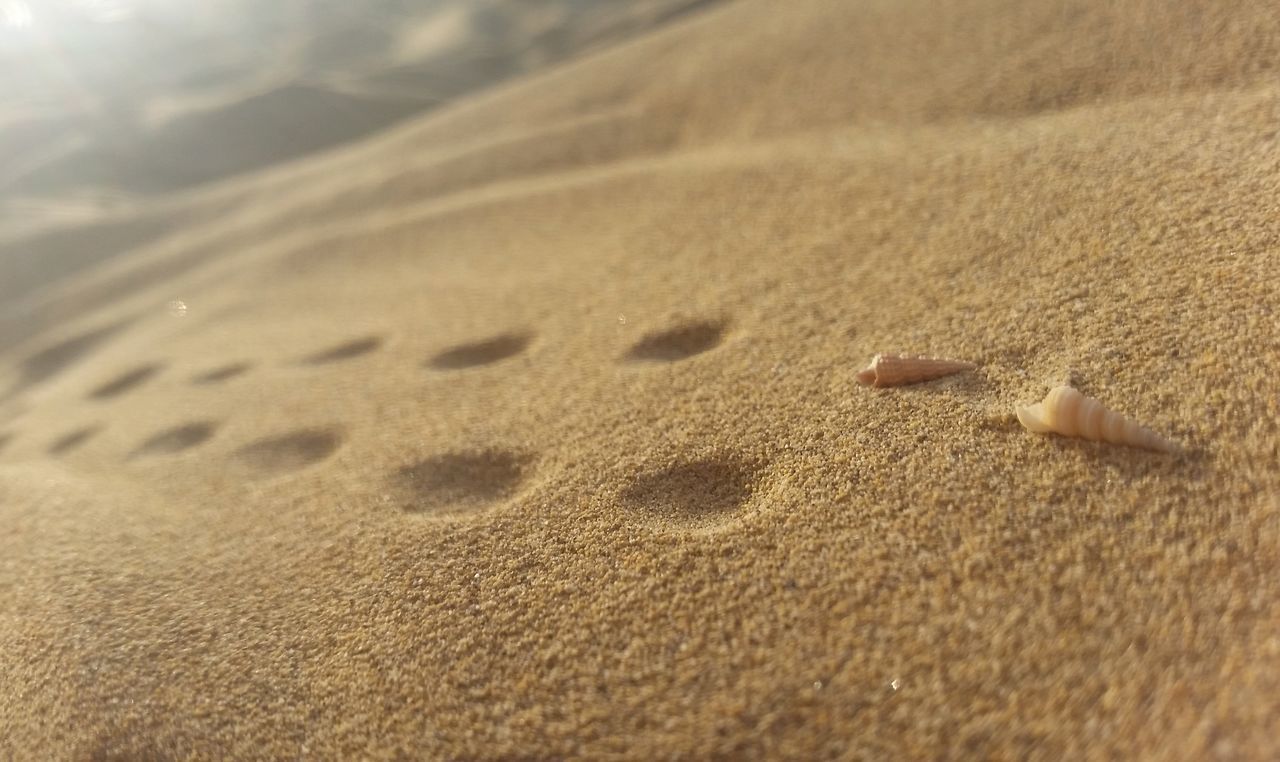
[(1032, 418)]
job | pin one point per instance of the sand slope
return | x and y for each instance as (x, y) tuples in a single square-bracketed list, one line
[(529, 428)]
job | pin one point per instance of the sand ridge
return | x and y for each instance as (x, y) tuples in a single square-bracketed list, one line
[(478, 441)]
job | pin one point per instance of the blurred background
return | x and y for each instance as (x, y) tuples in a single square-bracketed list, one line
[(114, 113), (107, 100)]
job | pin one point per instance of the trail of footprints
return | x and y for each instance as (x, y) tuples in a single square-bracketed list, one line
[(696, 494)]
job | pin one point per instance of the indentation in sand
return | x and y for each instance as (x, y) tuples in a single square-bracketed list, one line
[(460, 482), (125, 382), (695, 494), (123, 745), (5, 439), (288, 452), (481, 352), (178, 438), (51, 360), (222, 373), (677, 343), (71, 440), (345, 351)]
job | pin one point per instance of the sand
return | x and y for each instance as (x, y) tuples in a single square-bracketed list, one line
[(529, 428)]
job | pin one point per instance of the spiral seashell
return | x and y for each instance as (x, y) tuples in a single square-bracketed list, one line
[(897, 370), (1067, 412)]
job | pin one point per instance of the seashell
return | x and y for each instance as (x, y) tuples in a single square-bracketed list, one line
[(897, 370), (1067, 412)]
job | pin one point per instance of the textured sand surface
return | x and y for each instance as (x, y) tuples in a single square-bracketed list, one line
[(530, 429)]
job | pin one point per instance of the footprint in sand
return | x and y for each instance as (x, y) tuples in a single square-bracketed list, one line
[(288, 452), (677, 343), (125, 382), (51, 360), (696, 494), (5, 439), (177, 439), (460, 482), (222, 373), (481, 352), (345, 351), (74, 439)]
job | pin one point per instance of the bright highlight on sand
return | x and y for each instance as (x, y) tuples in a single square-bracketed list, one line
[(15, 15)]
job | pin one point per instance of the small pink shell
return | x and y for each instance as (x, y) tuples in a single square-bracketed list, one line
[(897, 370)]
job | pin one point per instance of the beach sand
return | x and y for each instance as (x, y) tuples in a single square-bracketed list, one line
[(529, 428)]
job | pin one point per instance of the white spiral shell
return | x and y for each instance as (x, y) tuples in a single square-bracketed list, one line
[(1067, 412)]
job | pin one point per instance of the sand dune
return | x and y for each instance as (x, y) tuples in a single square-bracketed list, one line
[(225, 139), (529, 426)]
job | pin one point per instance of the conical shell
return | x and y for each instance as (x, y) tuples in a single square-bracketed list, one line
[(896, 370), (1067, 412)]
